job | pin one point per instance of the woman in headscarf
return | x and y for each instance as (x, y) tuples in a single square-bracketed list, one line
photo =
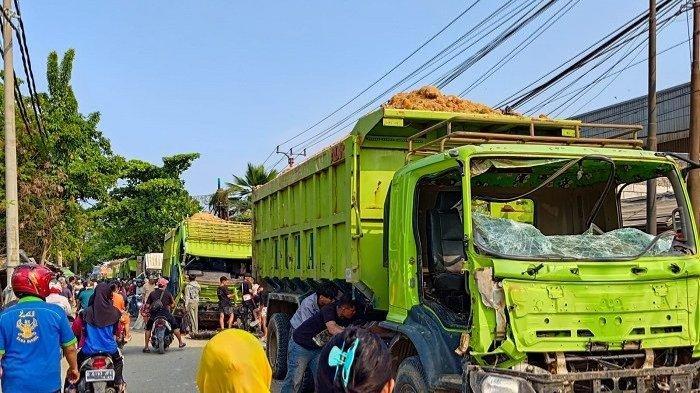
[(98, 324), (234, 361)]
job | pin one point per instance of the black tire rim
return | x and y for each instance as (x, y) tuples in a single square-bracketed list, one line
[(407, 388)]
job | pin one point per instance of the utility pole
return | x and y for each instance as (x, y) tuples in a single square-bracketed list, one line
[(11, 200), (694, 175), (651, 117), (291, 155)]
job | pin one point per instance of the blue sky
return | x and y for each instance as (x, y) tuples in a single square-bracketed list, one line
[(231, 79)]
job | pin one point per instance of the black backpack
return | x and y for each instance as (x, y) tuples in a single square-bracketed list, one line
[(158, 303)]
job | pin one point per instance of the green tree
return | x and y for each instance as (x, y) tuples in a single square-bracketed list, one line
[(150, 201), (255, 175), (59, 172)]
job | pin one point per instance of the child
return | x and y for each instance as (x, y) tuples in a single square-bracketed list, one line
[(354, 361), (225, 304)]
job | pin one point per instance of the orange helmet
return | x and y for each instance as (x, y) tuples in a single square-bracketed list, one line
[(31, 279)]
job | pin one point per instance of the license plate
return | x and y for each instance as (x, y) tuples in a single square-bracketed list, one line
[(99, 375)]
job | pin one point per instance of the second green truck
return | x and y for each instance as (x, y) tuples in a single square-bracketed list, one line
[(209, 248)]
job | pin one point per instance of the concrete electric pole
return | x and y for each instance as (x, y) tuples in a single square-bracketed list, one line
[(694, 176), (651, 117), (11, 200)]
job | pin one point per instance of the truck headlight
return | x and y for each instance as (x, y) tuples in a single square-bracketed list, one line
[(494, 384)]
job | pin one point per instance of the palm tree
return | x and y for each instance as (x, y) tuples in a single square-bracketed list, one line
[(255, 175)]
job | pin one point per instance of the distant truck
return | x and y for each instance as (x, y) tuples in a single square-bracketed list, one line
[(490, 253), (208, 248)]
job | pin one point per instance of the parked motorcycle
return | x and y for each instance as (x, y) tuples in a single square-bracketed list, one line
[(96, 376), (161, 334), (247, 319)]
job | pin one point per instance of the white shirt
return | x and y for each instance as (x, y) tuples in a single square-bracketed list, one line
[(60, 301), (307, 308), (192, 292)]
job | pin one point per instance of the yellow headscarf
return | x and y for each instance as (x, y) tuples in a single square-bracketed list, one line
[(233, 361)]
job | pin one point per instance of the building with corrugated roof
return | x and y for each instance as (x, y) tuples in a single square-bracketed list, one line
[(673, 111)]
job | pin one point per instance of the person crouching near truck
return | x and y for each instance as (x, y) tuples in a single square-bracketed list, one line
[(225, 303), (304, 351)]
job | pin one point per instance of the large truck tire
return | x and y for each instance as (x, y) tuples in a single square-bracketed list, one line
[(411, 377), (277, 344)]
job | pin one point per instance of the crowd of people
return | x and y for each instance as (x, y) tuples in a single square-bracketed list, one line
[(353, 360), (76, 319), (81, 318)]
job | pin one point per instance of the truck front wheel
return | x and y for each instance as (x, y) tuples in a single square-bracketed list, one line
[(410, 377), (277, 344)]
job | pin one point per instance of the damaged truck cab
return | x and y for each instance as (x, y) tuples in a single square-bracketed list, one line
[(505, 254)]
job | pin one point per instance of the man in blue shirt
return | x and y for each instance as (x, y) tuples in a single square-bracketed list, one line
[(32, 334)]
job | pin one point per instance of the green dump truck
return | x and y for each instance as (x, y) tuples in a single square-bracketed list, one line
[(491, 252), (208, 248)]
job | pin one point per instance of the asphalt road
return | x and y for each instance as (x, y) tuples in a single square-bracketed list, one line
[(173, 371)]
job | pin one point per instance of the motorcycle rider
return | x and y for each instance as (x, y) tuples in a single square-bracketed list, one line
[(119, 301), (98, 326), (32, 332), (55, 297), (160, 304)]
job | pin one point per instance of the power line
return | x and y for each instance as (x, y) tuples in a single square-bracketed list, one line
[(614, 74), (519, 48), (598, 43), (24, 52), (374, 83), (19, 100), (491, 46), (527, 96), (558, 110), (328, 132)]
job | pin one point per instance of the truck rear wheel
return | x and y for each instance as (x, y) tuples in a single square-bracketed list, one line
[(410, 377), (277, 344)]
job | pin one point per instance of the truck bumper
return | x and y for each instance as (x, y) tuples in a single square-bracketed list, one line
[(658, 379)]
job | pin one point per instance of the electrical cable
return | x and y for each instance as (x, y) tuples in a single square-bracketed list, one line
[(314, 139), (491, 46), (593, 54), (374, 83), (519, 48)]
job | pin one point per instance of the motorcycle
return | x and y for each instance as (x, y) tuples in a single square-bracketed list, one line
[(96, 376), (247, 319), (135, 304), (161, 334)]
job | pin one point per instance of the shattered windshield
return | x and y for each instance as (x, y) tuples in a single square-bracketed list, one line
[(511, 238), (587, 208)]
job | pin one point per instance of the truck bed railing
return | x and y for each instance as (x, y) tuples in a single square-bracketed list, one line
[(220, 232), (455, 138)]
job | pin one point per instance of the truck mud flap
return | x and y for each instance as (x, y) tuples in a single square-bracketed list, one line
[(660, 379)]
